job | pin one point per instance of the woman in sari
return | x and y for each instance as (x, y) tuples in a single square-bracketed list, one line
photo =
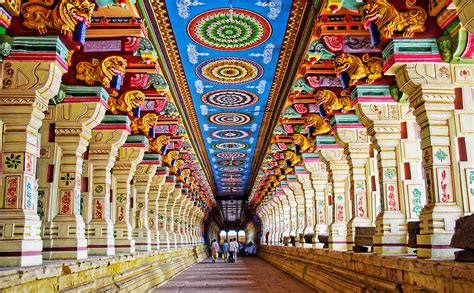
[(214, 250)]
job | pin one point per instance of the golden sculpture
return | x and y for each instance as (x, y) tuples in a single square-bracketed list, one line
[(272, 181), (144, 123), (389, 20), (331, 102), (292, 157), (127, 102), (282, 165), (101, 72), (369, 68), (177, 166), (157, 144), (40, 15), (140, 219), (184, 175), (320, 125), (280, 172), (170, 157), (303, 142)]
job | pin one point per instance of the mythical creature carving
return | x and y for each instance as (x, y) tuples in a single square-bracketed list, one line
[(369, 68), (170, 158), (283, 166), (158, 143), (389, 20), (64, 16), (331, 102), (320, 125), (101, 72), (292, 157), (184, 175), (280, 173), (127, 102), (303, 142), (177, 166), (144, 123), (272, 181)]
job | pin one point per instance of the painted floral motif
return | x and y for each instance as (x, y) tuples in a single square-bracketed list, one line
[(230, 119), (471, 182), (68, 179), (360, 205), (13, 161), (390, 173), (392, 201), (29, 195), (98, 209), (230, 98), (416, 201), (340, 212), (121, 214), (99, 188), (13, 190), (66, 202), (441, 155), (29, 163), (121, 198), (232, 71), (360, 186), (445, 196), (321, 216), (224, 29)]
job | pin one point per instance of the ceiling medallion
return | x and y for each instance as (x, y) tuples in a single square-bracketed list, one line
[(230, 119), (231, 155), (231, 180), (230, 98), (230, 134), (230, 146), (231, 162), (232, 175), (229, 70), (231, 169), (230, 30)]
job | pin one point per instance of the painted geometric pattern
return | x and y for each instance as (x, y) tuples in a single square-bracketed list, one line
[(229, 51)]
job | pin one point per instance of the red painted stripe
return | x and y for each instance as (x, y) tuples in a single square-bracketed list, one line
[(123, 246), (100, 246), (22, 56), (112, 127), (391, 244), (19, 253), (134, 145), (71, 248), (434, 246)]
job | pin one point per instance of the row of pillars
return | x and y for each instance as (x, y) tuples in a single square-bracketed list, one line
[(75, 184), (389, 164)]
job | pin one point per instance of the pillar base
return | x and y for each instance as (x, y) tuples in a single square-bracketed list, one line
[(21, 253), (100, 237), (59, 242), (124, 245), (142, 239), (164, 241), (391, 236), (351, 225), (337, 239), (437, 228)]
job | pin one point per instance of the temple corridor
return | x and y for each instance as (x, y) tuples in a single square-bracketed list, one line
[(335, 137), (249, 274)]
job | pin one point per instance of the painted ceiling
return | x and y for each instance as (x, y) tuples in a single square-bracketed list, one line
[(229, 52)]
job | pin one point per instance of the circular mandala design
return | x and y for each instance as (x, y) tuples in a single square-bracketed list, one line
[(231, 98), (230, 145), (231, 155), (230, 134), (231, 162), (227, 70), (230, 119), (231, 180), (231, 31), (231, 169), (232, 175)]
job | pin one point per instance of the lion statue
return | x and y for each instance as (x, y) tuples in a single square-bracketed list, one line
[(144, 123), (177, 166), (303, 142), (292, 157), (369, 68), (320, 125), (157, 144), (389, 20), (170, 158), (127, 102), (63, 17), (331, 102), (101, 72)]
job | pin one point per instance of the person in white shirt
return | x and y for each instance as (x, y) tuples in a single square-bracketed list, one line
[(215, 250), (232, 251)]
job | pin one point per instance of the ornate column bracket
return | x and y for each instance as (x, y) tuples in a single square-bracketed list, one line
[(107, 138), (336, 162), (430, 90), (319, 178), (129, 156), (352, 136), (142, 181), (30, 76)]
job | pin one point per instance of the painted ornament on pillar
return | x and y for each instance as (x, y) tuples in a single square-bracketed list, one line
[(121, 214), (66, 202), (13, 161), (29, 194), (340, 212), (391, 191), (360, 205), (470, 180), (444, 186), (29, 163), (12, 184), (98, 209), (416, 200)]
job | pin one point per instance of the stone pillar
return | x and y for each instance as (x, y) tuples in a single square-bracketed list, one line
[(64, 237), (298, 192), (285, 211), (27, 86), (430, 92), (161, 188), (304, 178), (142, 181), (336, 162), (172, 219), (352, 136), (293, 210), (378, 112), (319, 179), (106, 139), (130, 155)]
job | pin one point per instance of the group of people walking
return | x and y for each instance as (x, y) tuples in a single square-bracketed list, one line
[(230, 250)]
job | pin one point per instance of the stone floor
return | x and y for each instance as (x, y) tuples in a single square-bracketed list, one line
[(249, 274)]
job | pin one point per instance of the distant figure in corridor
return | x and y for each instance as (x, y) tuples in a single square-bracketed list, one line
[(225, 248), (215, 250)]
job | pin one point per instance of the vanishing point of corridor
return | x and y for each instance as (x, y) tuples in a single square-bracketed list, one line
[(249, 275)]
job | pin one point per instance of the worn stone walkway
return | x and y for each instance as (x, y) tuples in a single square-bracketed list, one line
[(249, 274)]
